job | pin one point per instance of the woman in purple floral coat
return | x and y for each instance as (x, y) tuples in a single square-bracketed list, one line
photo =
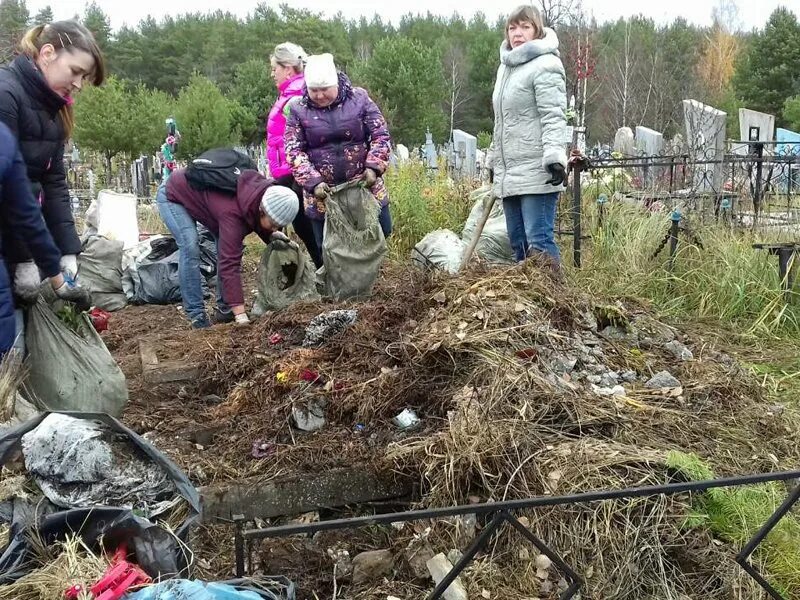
[(334, 134)]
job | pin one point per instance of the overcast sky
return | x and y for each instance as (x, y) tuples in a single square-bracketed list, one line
[(753, 13)]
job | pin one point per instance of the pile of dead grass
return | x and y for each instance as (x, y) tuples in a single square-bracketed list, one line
[(257, 383), (515, 429), (59, 567), (473, 355)]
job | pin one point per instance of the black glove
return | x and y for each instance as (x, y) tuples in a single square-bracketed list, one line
[(558, 175)]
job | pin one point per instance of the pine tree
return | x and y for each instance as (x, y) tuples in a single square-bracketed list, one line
[(405, 79), (770, 71), (14, 17)]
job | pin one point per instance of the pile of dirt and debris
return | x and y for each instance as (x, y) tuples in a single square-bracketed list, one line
[(523, 387)]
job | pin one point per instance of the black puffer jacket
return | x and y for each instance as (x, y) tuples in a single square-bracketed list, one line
[(31, 110)]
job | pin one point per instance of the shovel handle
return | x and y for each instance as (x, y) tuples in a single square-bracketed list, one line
[(476, 236)]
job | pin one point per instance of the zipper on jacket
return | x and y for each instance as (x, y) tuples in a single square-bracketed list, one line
[(338, 177), (502, 149)]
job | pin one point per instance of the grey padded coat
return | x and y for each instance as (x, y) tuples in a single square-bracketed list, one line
[(530, 103)]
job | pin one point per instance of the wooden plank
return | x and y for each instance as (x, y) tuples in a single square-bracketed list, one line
[(172, 372), (301, 494), (148, 355), (156, 372)]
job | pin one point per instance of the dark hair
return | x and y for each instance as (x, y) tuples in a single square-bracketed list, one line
[(65, 36)]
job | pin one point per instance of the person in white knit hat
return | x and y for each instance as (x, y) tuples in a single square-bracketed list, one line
[(258, 206), (336, 134)]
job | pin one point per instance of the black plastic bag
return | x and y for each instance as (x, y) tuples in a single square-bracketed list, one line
[(155, 278), (158, 552)]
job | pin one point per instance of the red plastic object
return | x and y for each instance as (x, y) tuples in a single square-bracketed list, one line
[(74, 592), (99, 319), (309, 375), (119, 578), (527, 353), (275, 339)]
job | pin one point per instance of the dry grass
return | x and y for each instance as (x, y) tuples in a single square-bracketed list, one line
[(469, 354), (12, 374), (515, 432), (68, 563)]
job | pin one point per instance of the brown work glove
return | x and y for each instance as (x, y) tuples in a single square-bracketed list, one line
[(322, 191), (370, 177)]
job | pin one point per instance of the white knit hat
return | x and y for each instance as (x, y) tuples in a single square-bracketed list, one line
[(280, 204), (321, 71)]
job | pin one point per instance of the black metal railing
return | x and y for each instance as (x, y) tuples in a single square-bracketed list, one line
[(499, 513)]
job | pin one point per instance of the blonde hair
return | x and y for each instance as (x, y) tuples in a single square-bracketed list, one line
[(527, 13), (65, 36), (290, 55)]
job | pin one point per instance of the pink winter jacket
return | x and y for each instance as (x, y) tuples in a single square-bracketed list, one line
[(276, 124)]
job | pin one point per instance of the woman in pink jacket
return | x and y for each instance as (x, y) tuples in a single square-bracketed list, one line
[(288, 63)]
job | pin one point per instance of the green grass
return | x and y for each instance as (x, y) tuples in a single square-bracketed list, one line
[(736, 514), (149, 219), (422, 202), (725, 279)]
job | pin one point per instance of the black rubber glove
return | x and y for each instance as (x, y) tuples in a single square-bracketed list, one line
[(558, 174)]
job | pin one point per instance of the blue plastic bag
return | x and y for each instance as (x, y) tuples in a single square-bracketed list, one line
[(182, 589)]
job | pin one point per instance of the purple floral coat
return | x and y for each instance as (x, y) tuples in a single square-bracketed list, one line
[(336, 144)]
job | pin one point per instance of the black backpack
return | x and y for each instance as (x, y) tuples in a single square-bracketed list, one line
[(218, 169)]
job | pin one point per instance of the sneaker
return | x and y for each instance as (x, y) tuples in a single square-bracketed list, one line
[(220, 317), (201, 323)]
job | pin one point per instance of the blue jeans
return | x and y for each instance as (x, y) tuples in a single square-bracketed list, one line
[(530, 220), (384, 218), (184, 228)]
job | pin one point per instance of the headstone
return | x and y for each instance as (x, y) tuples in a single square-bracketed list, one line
[(705, 135), (624, 142), (649, 143), (465, 147), (788, 142), (402, 153), (788, 145), (756, 126), (480, 164), (431, 157), (578, 139)]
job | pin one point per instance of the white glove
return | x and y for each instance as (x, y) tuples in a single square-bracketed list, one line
[(242, 320), (27, 280), (69, 265)]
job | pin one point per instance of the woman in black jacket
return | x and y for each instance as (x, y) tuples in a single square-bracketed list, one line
[(36, 96)]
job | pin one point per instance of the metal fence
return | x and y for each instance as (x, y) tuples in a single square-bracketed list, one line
[(499, 513), (752, 185), (750, 181)]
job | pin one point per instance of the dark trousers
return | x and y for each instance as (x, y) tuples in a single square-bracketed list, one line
[(302, 224)]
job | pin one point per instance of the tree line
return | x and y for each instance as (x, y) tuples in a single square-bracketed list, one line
[(211, 71)]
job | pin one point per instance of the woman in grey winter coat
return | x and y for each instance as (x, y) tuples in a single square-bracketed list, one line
[(529, 154)]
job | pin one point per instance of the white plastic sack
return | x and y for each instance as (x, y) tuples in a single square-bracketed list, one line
[(71, 370), (441, 249), (115, 216), (285, 276), (130, 260), (100, 271), (494, 245)]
